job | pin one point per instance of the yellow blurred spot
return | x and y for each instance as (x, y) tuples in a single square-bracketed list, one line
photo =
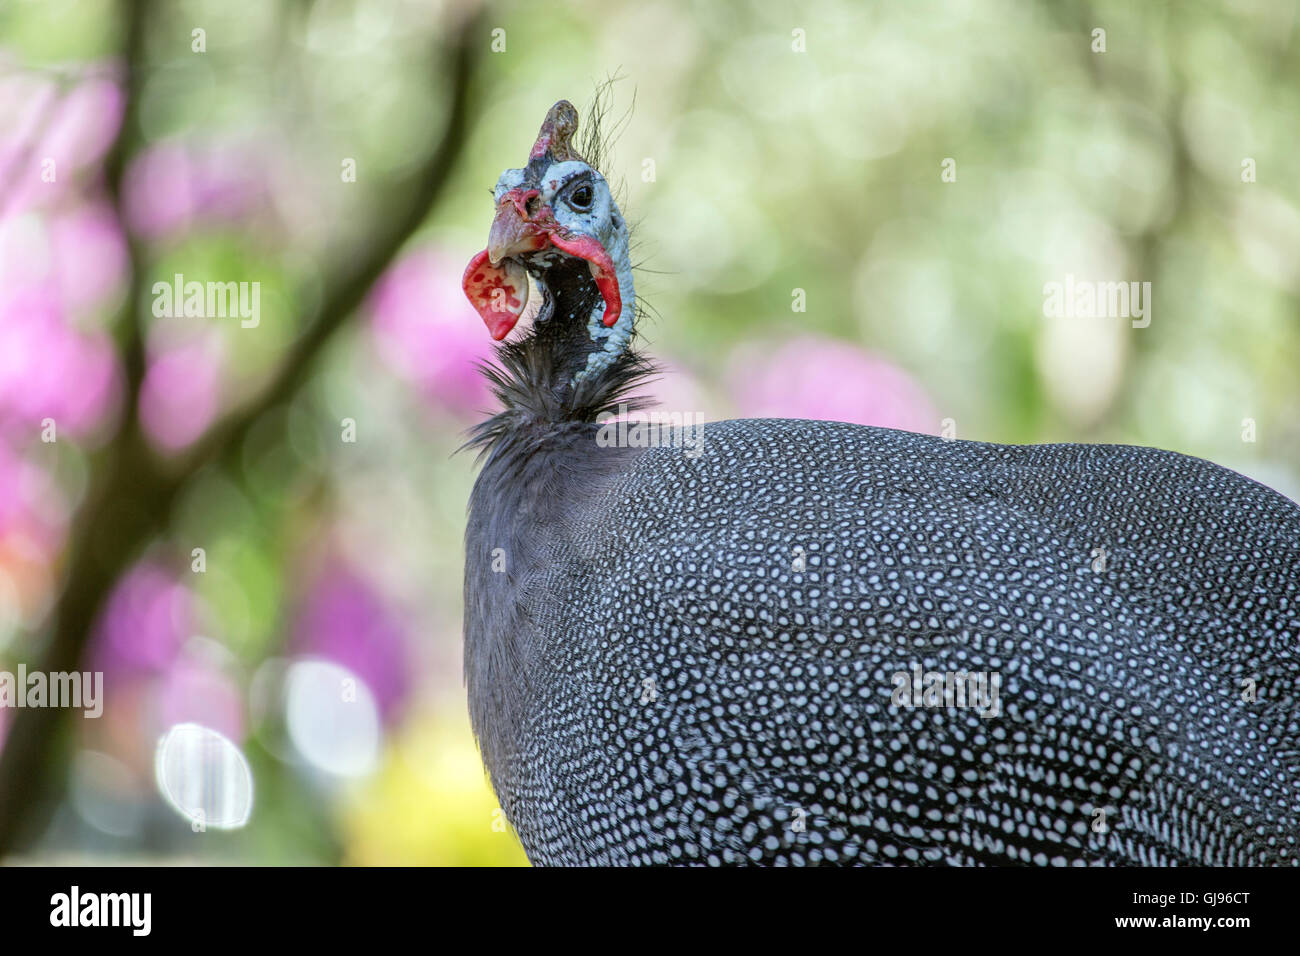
[(430, 803)]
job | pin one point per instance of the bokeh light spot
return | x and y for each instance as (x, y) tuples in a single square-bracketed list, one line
[(332, 718), (204, 777)]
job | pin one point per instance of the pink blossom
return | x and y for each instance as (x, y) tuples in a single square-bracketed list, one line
[(89, 255), (195, 692), (31, 506), (49, 370), (818, 378), (13, 510), (426, 329), (147, 619), (180, 395), (25, 103), (344, 619), (169, 187), (49, 135), (85, 124)]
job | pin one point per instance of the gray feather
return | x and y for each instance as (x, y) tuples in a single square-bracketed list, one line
[(771, 736)]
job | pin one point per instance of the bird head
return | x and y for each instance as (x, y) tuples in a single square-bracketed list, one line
[(554, 212)]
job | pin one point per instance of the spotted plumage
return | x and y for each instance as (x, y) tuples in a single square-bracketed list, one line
[(728, 656)]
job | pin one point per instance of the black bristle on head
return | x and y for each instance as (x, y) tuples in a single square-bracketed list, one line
[(597, 135)]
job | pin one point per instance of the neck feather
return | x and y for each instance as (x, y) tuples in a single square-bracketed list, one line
[(570, 367)]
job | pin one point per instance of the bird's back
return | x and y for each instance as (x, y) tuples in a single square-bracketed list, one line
[(804, 642)]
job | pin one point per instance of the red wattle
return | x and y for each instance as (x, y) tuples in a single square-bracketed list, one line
[(498, 293), (584, 247)]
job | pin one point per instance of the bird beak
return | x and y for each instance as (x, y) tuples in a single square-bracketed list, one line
[(512, 233), (496, 283)]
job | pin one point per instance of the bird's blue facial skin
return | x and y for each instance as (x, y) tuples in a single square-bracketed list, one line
[(577, 195), (510, 179), (574, 200)]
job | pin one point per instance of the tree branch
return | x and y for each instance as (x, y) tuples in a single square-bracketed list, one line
[(132, 491)]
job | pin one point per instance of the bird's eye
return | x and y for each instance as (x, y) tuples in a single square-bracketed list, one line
[(581, 197)]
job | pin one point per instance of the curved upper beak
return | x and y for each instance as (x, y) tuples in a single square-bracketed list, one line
[(512, 233)]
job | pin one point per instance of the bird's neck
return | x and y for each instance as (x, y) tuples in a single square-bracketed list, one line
[(561, 344), (570, 367), (569, 329)]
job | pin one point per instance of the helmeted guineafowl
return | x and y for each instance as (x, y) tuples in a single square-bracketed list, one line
[(808, 642)]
